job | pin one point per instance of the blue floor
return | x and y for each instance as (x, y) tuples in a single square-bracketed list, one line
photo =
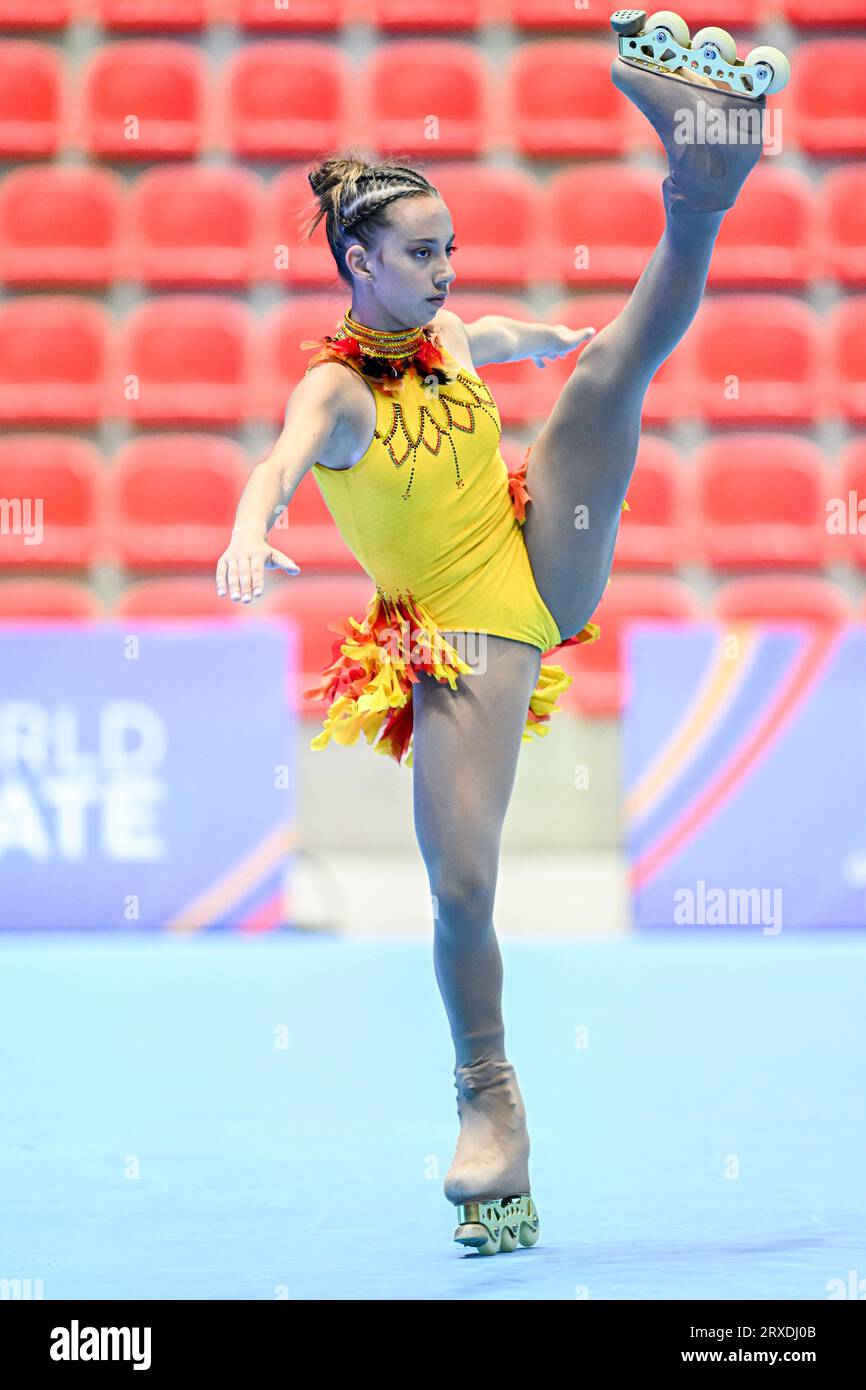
[(158, 1141)]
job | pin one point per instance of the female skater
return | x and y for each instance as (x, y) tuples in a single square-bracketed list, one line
[(405, 449)]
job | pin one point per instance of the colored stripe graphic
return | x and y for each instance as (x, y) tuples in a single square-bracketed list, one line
[(214, 902), (811, 664), (721, 685), (270, 914)]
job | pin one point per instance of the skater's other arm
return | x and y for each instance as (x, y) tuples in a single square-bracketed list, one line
[(495, 338), (324, 423)]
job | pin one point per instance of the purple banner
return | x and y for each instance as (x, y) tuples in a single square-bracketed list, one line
[(147, 777)]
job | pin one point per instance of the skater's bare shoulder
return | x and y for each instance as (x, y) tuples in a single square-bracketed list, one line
[(331, 414), (455, 336)]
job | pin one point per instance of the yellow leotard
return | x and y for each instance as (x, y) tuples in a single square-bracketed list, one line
[(433, 516), (427, 509)]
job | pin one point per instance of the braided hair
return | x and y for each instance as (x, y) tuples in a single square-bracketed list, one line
[(352, 196)]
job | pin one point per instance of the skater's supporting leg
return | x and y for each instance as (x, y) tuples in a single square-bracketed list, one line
[(466, 746), (465, 750), (583, 459)]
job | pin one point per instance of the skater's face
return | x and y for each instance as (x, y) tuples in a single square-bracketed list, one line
[(408, 267)]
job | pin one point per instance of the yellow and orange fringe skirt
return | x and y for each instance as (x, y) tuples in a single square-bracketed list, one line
[(368, 685)]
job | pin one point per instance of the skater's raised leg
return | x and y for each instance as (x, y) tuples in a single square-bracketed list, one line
[(585, 454)]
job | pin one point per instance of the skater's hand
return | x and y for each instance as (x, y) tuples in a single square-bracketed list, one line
[(563, 340), (242, 565)]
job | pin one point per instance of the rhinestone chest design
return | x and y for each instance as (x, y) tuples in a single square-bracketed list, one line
[(458, 414)]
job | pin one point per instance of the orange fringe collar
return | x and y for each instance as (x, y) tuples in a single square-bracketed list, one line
[(388, 373)]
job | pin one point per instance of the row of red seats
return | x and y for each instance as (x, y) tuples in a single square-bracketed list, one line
[(198, 225), (754, 501), (294, 15), (312, 603), (751, 359), (280, 99)]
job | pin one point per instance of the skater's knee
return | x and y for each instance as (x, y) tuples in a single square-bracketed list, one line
[(463, 889), (601, 366), (597, 360)]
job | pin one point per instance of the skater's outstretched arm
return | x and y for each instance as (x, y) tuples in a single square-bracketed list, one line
[(495, 338), (329, 415)]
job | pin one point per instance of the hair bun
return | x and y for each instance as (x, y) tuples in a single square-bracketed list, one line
[(336, 172)]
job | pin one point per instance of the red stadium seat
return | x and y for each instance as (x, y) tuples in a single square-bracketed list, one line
[(283, 99), (741, 14), (782, 598), (850, 536), (842, 205), (57, 600), (826, 111), (144, 99), (516, 387), (53, 355), (846, 328), (761, 501), (294, 17), (560, 99), (311, 536), (756, 360), (495, 214), (31, 81), (427, 98), (444, 15), (600, 684), (179, 600), (55, 480), (669, 394), (280, 360), (556, 14), (650, 532), (602, 223), (313, 602), (285, 254), (152, 14), (172, 500), (840, 14), (767, 239), (595, 14), (34, 14), (194, 225), (59, 226), (182, 359)]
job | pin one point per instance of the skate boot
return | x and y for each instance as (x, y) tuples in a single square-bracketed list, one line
[(706, 107), (488, 1180)]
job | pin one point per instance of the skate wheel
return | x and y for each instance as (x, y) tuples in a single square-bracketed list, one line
[(528, 1234), (673, 24), (718, 43), (508, 1239), (774, 59)]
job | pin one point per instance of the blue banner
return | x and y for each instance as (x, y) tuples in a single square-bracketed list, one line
[(745, 776), (147, 777)]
